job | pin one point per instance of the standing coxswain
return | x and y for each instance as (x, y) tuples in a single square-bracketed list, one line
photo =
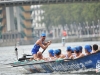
[(40, 43)]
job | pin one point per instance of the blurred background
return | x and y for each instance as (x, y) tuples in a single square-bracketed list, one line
[(74, 21)]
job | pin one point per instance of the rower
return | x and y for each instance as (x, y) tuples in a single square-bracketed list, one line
[(77, 53), (40, 43), (94, 48), (39, 56), (88, 49), (69, 52), (51, 55), (80, 49), (80, 52), (61, 55), (57, 54)]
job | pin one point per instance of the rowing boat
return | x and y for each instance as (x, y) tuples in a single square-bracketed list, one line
[(87, 62)]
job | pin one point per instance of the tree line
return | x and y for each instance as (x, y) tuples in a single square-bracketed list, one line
[(62, 14)]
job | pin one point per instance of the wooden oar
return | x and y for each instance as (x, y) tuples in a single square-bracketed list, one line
[(43, 51)]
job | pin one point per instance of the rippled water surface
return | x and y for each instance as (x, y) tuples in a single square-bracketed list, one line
[(7, 55)]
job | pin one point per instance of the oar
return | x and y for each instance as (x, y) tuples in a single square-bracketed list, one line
[(16, 52), (43, 51)]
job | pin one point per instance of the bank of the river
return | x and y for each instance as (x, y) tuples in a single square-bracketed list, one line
[(56, 40)]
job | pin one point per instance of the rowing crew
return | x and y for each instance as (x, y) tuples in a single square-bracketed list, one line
[(71, 53), (77, 52)]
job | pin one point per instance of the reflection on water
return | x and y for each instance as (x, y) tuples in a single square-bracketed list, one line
[(7, 55)]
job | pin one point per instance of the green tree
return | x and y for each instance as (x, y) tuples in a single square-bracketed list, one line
[(69, 13)]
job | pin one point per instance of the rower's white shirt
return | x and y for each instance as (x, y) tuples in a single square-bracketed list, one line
[(84, 54), (94, 51), (73, 54), (67, 56), (50, 59)]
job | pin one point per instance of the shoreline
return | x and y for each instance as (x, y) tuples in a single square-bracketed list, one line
[(53, 43), (56, 40)]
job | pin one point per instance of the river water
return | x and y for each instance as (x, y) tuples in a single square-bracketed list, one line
[(7, 55)]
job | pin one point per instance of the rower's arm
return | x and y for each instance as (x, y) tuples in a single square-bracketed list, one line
[(44, 46), (45, 43), (81, 55)]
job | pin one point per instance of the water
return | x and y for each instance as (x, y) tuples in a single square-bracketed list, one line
[(7, 55)]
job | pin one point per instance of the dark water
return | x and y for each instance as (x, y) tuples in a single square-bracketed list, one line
[(7, 55)]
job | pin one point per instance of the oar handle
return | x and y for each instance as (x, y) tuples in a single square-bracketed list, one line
[(43, 51)]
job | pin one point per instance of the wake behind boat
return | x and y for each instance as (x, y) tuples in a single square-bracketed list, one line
[(84, 63)]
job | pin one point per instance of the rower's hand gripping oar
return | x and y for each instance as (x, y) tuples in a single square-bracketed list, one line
[(45, 49)]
